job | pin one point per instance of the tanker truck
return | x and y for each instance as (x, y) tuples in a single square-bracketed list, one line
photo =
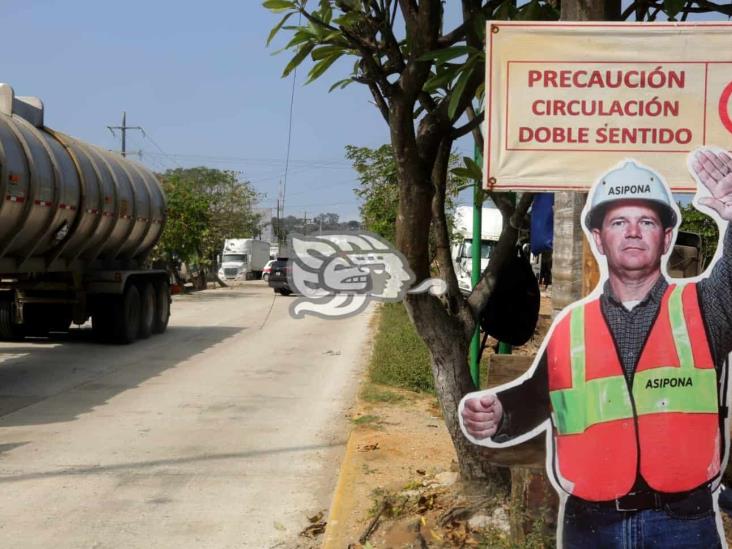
[(77, 224)]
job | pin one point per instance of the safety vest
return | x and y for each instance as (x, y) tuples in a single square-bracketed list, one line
[(665, 427)]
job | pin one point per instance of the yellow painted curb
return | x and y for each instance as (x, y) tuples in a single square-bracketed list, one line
[(346, 477)]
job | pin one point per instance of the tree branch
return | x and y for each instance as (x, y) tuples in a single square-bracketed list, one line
[(459, 32), (439, 223), (475, 122), (477, 134), (380, 101)]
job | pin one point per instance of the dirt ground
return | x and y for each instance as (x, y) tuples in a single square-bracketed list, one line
[(400, 467)]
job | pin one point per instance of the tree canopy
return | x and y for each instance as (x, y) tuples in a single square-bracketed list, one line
[(205, 206), (379, 189)]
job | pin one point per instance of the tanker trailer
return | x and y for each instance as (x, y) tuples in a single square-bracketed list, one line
[(76, 226)]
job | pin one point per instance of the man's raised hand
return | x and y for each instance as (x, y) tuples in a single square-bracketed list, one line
[(482, 416), (715, 172)]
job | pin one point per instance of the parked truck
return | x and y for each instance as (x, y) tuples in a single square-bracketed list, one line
[(491, 225), (243, 258), (77, 224)]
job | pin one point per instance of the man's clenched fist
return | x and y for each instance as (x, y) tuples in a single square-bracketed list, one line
[(482, 416)]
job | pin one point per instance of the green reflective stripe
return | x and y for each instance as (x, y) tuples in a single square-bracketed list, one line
[(596, 401), (577, 346), (670, 389), (678, 328), (659, 390)]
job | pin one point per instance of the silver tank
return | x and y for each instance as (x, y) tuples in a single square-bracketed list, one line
[(66, 204)]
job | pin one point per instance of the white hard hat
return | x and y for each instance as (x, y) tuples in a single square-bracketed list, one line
[(630, 182)]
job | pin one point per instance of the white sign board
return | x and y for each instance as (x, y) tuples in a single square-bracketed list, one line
[(566, 100)]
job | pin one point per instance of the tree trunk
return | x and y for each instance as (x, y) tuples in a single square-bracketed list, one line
[(567, 255), (445, 339)]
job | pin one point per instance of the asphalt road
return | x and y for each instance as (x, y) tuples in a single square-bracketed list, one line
[(226, 431)]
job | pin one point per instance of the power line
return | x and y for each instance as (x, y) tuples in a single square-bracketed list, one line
[(158, 147), (289, 129), (317, 163)]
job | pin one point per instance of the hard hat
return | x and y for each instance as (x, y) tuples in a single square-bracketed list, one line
[(630, 182)]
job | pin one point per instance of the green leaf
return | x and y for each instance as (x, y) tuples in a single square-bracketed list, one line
[(442, 78), (321, 66), (459, 89), (443, 55), (301, 54), (300, 37), (278, 5), (672, 7), (348, 19), (326, 13), (277, 27), (341, 84), (476, 172), (480, 91), (462, 172), (326, 51)]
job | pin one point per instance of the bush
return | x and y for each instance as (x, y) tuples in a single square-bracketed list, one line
[(400, 358)]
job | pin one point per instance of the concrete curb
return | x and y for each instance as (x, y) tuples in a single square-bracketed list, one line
[(346, 476)]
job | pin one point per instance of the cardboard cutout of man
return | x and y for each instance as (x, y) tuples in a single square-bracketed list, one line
[(627, 382)]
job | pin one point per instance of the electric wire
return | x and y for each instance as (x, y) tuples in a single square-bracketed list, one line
[(289, 129)]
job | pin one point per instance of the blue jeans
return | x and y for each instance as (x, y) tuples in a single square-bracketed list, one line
[(587, 526)]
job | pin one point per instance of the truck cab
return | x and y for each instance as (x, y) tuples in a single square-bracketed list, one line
[(462, 248), (233, 265), (243, 258)]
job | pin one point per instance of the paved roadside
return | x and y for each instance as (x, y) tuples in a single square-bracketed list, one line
[(226, 431)]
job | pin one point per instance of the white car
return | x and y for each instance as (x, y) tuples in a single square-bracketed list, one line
[(267, 270)]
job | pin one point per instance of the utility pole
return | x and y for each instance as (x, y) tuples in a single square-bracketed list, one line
[(123, 128), (305, 224), (277, 223)]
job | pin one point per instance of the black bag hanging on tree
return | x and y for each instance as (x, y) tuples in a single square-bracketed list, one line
[(512, 311)]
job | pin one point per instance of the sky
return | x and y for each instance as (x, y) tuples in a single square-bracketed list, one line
[(200, 80)]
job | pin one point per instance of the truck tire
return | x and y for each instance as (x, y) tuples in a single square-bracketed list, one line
[(9, 331), (147, 309), (162, 306), (126, 321)]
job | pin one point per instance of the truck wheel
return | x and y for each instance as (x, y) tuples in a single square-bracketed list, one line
[(162, 307), (9, 330), (147, 309), (127, 309)]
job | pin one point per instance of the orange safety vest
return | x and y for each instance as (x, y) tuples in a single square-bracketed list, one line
[(666, 427)]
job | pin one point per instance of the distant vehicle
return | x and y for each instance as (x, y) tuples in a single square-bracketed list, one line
[(491, 226), (243, 258), (278, 276), (267, 270)]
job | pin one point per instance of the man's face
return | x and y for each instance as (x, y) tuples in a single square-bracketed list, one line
[(632, 237)]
